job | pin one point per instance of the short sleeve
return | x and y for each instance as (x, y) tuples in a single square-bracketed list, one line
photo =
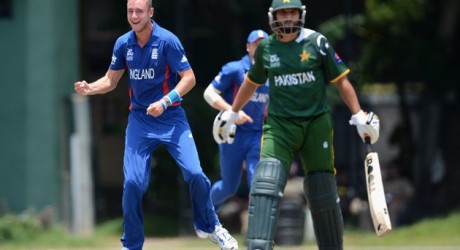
[(118, 55), (257, 73), (227, 76), (335, 68), (175, 55)]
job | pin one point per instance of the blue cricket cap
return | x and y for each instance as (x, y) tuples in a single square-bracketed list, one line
[(256, 35)]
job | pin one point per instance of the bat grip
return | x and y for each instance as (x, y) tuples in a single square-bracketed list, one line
[(367, 140)]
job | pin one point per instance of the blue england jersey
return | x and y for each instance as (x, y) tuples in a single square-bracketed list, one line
[(229, 80), (153, 69)]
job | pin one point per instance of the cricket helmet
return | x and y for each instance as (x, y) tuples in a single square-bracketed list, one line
[(277, 26)]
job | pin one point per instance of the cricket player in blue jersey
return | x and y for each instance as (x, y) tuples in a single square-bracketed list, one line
[(246, 147), (159, 75)]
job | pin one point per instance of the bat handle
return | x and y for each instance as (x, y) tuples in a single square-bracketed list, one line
[(367, 140)]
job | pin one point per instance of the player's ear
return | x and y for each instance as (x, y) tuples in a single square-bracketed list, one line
[(151, 12)]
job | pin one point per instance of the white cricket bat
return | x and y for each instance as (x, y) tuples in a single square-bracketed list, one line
[(375, 192)]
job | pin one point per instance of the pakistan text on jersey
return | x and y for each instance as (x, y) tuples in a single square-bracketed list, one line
[(260, 97), (295, 79), (141, 74)]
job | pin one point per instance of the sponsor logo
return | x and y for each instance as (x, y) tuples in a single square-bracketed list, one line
[(295, 79), (141, 74), (114, 59), (129, 55), (274, 61), (184, 59)]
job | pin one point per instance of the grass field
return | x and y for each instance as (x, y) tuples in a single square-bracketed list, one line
[(433, 234)]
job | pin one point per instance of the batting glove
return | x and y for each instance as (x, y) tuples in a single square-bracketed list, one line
[(367, 124), (224, 128)]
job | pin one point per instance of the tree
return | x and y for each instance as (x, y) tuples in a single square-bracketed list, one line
[(406, 42)]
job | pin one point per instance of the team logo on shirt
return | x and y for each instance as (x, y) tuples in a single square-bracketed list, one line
[(322, 43), (305, 56), (274, 61), (129, 55), (155, 53)]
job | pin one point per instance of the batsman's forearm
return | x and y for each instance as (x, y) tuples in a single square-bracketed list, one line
[(348, 94), (243, 96), (351, 100)]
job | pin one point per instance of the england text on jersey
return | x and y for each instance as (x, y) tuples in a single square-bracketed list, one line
[(260, 97), (295, 79), (141, 74)]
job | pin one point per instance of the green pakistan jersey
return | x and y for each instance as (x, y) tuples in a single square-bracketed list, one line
[(298, 72)]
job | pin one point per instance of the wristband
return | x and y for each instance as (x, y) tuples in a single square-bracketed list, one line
[(163, 103), (172, 97)]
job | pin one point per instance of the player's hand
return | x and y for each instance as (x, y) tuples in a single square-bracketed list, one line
[(367, 124), (155, 109), (82, 88), (224, 127), (243, 118)]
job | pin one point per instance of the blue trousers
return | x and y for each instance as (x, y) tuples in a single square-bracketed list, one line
[(245, 148), (143, 134)]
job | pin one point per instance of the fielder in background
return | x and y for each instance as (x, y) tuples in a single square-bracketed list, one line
[(159, 76), (246, 147), (298, 63)]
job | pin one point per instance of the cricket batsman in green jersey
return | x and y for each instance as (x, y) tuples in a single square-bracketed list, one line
[(298, 63)]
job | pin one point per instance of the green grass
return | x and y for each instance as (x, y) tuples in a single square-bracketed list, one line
[(437, 233), (429, 232)]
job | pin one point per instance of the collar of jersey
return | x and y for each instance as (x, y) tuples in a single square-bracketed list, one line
[(155, 32), (304, 34)]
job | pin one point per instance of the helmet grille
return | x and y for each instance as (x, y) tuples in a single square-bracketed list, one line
[(278, 27)]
